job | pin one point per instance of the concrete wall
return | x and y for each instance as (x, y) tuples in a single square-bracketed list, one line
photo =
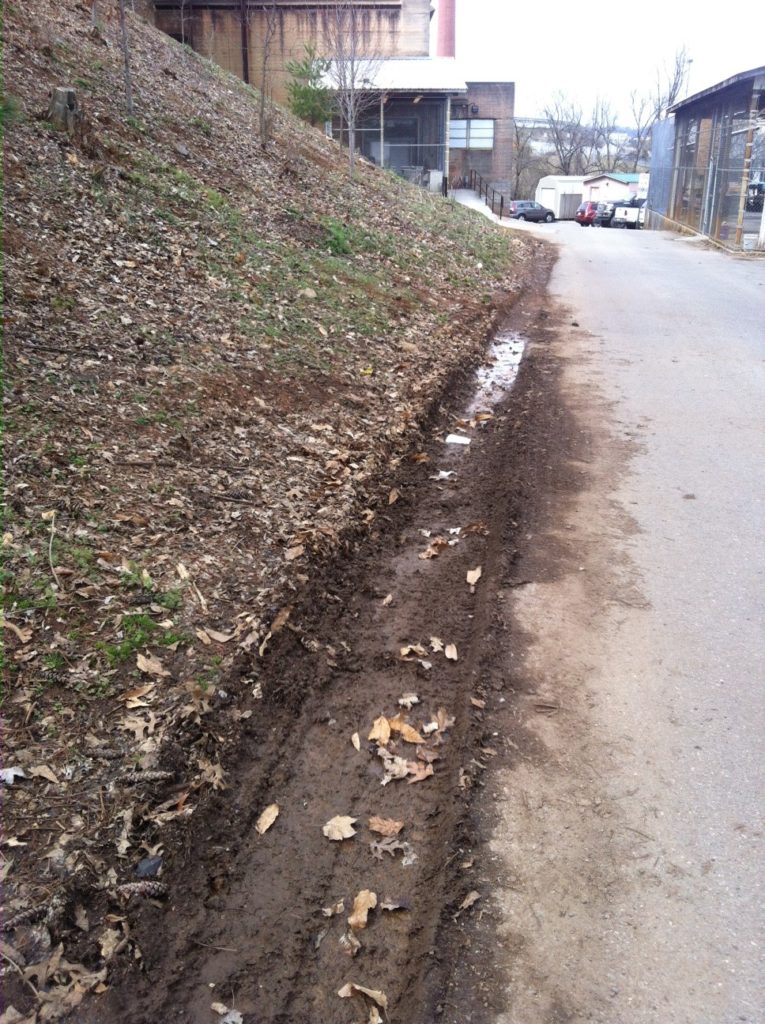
[(495, 101), (399, 28)]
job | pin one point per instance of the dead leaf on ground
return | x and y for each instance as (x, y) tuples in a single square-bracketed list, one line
[(393, 496), (477, 527), (351, 988), (473, 576), (408, 700), (436, 644), (336, 908), (380, 731), (410, 652), (349, 943), (385, 826), (267, 818), (365, 901), (450, 652), (281, 619), (434, 549), (339, 827), (23, 633), (295, 552), (356, 741), (151, 665), (478, 703), (419, 772), (470, 899), (212, 772), (405, 731), (444, 720), (220, 638), (134, 698), (44, 771), (388, 599)]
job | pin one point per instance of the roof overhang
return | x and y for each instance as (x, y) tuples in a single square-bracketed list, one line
[(728, 83), (421, 75)]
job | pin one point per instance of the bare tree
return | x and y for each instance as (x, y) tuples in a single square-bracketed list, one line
[(669, 84), (643, 119), (269, 23), (608, 144), (529, 165), (573, 142), (648, 108), (354, 65), (126, 60)]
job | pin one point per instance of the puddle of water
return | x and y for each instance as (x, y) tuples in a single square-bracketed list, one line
[(494, 380)]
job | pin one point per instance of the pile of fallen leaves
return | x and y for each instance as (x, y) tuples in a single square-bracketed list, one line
[(216, 354)]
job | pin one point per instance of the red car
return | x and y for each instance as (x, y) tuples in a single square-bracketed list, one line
[(586, 214)]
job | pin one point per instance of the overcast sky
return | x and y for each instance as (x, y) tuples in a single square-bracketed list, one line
[(552, 46)]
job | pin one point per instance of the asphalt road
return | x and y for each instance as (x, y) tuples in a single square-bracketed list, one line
[(634, 854)]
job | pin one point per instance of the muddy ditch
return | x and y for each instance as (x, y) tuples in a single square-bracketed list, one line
[(253, 926)]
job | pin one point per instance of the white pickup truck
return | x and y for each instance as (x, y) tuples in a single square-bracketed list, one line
[(629, 214)]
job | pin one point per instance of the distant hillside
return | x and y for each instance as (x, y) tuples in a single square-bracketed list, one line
[(214, 355)]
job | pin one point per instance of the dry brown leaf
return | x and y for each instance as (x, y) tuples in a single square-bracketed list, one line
[(473, 576), (339, 827), (434, 549), (380, 730), (212, 772), (137, 694), (444, 720), (266, 819), (419, 772), (220, 638), (351, 988), (349, 943), (387, 600), (385, 826), (356, 741), (470, 899), (365, 901), (450, 652), (24, 634), (151, 665), (393, 496), (427, 754), (405, 731), (202, 635), (295, 552), (478, 703), (44, 771), (477, 527), (413, 651), (436, 644), (281, 619), (421, 457)]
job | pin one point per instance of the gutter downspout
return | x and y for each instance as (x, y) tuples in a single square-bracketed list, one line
[(245, 41)]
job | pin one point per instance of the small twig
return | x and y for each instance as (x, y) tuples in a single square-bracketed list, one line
[(220, 949), (21, 974), (228, 497), (50, 553)]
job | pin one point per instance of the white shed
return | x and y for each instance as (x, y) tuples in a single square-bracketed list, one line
[(561, 193)]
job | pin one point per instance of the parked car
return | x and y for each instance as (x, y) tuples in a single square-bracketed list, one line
[(629, 214), (586, 213), (604, 214), (526, 209)]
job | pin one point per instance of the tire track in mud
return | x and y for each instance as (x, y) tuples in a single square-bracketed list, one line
[(245, 925)]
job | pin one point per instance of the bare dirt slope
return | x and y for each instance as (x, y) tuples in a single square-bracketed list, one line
[(218, 355)]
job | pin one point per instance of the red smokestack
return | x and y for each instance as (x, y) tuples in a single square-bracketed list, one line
[(445, 38)]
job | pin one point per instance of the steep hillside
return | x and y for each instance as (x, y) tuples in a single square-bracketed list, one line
[(216, 354)]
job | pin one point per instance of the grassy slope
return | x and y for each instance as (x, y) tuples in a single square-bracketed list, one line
[(215, 353)]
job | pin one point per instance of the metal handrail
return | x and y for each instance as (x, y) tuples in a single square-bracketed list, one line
[(487, 192)]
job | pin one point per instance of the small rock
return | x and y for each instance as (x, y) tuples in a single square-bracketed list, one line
[(149, 867), (182, 150)]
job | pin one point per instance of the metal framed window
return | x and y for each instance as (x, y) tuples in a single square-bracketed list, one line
[(471, 133)]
